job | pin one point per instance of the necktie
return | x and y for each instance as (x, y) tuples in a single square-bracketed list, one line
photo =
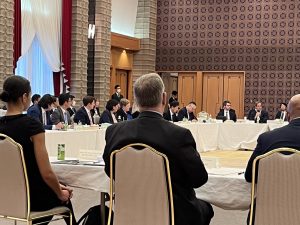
[(90, 117), (65, 118), (172, 117), (44, 118), (282, 115), (227, 115)]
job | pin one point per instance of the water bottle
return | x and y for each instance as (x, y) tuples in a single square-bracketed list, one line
[(61, 152)]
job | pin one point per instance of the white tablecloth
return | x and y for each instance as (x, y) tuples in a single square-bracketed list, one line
[(225, 188), (208, 137), (233, 136), (75, 141)]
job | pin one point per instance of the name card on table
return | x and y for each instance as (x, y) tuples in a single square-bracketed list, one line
[(87, 154)]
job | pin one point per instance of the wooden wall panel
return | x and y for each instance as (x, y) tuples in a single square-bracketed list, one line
[(234, 91), (212, 92)]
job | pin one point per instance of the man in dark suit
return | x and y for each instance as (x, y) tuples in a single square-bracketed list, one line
[(61, 114), (171, 114), (258, 114), (173, 97), (34, 99), (71, 109), (41, 112), (187, 112), (226, 113), (282, 113), (177, 143), (117, 95), (83, 115), (286, 136)]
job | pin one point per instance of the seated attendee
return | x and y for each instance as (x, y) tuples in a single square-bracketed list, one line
[(35, 99), (282, 113), (55, 102), (135, 112), (187, 112), (226, 113), (117, 95), (286, 136), (96, 110), (72, 109), (123, 113), (173, 97), (61, 114), (83, 115), (45, 190), (177, 143), (108, 115), (171, 114), (258, 114), (41, 112)]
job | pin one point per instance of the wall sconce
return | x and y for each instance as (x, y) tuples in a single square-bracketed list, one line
[(91, 31)]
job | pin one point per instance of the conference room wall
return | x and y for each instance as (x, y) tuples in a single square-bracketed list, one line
[(259, 37)]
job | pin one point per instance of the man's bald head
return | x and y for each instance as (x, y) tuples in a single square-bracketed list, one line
[(294, 107)]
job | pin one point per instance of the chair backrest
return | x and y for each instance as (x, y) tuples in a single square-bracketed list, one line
[(142, 187), (277, 191), (14, 190)]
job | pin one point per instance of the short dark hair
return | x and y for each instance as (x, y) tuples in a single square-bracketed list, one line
[(117, 86), (35, 97), (64, 97), (174, 104), (46, 100), (174, 92), (54, 98), (14, 87), (225, 102), (111, 103), (72, 97), (257, 102), (87, 100), (283, 103), (194, 103)]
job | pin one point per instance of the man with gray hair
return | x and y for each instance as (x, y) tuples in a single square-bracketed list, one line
[(177, 143)]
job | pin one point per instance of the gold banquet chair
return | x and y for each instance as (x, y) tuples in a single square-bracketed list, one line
[(277, 191), (140, 187), (14, 188)]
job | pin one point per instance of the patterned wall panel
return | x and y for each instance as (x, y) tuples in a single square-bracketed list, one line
[(261, 37)]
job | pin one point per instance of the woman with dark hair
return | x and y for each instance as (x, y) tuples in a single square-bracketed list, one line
[(108, 115), (45, 190)]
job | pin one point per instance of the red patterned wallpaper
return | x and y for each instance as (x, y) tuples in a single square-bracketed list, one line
[(261, 37)]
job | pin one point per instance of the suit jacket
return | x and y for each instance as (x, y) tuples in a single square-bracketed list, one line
[(186, 167), (263, 116), (36, 113), (121, 115), (93, 111), (71, 111), (287, 136), (278, 115), (167, 116), (183, 113), (171, 99), (115, 96), (58, 116), (221, 116), (82, 116), (106, 117)]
